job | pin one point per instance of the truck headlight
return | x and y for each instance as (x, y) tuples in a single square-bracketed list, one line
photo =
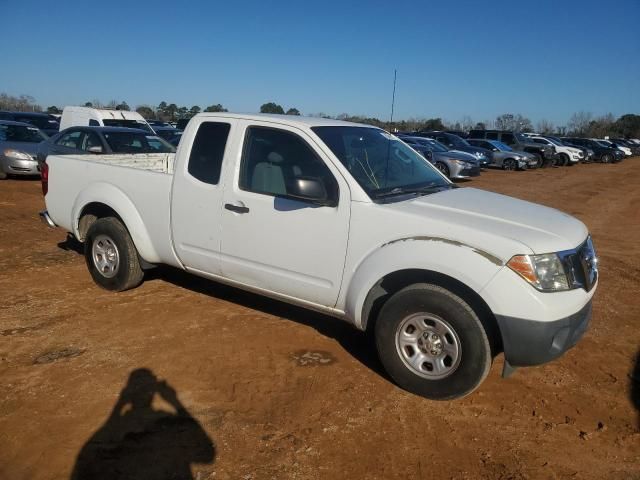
[(545, 272), (18, 155)]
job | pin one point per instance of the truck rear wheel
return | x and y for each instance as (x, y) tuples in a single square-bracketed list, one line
[(432, 343), (111, 256)]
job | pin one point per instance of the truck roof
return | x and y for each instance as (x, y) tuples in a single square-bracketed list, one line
[(285, 119)]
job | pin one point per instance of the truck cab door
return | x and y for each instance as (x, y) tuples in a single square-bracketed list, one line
[(197, 196), (271, 238)]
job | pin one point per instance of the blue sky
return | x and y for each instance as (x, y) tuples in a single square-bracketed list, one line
[(546, 59)]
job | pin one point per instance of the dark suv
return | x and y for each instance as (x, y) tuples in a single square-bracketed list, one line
[(520, 143), (454, 142), (45, 122), (602, 153)]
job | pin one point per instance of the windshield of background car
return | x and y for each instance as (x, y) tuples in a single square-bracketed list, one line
[(132, 142), (437, 146), (113, 122), (603, 144), (40, 122), (458, 141), (19, 133), (378, 161), (502, 146), (522, 138)]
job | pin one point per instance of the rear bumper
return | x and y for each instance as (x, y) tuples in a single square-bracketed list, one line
[(44, 216), (528, 342)]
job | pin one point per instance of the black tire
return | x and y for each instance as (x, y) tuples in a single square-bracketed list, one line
[(540, 163), (606, 158), (443, 168), (474, 359), (107, 233), (564, 160), (509, 164), (3, 175)]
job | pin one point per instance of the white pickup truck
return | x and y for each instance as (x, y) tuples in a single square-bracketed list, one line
[(344, 219)]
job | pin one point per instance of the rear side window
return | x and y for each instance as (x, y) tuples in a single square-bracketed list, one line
[(492, 135), (207, 152)]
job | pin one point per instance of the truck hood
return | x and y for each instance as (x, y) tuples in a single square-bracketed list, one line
[(489, 218)]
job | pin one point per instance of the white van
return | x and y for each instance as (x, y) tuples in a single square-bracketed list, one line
[(94, 117)]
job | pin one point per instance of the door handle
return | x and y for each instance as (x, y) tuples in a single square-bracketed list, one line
[(236, 208)]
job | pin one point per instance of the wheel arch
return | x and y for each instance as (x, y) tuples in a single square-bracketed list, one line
[(395, 281), (104, 200)]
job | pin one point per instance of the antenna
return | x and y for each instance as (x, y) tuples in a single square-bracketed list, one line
[(393, 98)]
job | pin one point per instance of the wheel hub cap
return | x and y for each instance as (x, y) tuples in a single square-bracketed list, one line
[(105, 255), (428, 345)]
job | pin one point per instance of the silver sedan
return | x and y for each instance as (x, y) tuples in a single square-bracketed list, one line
[(18, 148)]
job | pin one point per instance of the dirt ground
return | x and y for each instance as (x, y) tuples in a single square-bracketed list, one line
[(265, 390)]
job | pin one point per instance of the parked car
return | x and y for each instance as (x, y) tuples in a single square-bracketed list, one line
[(158, 123), (170, 134), (453, 164), (520, 143), (623, 148), (634, 147), (107, 140), (566, 155), (454, 142), (360, 227), (19, 143), (601, 153), (95, 117), (505, 157), (43, 121), (587, 153)]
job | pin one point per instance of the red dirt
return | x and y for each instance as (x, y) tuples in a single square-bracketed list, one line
[(285, 393)]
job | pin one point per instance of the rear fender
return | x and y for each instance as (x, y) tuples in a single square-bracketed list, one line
[(117, 200)]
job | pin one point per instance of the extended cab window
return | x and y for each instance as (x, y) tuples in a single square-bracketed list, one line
[(205, 161), (272, 159)]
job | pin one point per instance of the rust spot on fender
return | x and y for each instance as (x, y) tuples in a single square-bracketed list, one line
[(420, 238)]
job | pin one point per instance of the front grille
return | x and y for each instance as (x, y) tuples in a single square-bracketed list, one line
[(581, 265)]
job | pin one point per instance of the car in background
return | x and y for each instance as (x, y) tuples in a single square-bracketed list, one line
[(635, 148), (103, 140), (454, 142), (587, 153), (623, 148), (520, 143), (170, 134), (19, 143), (505, 157), (453, 164), (43, 121), (96, 117), (181, 124), (566, 155), (157, 123), (601, 153)]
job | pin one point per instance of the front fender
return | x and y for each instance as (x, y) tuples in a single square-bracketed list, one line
[(465, 263), (113, 197)]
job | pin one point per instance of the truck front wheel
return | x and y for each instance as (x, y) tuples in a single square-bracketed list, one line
[(432, 343), (111, 256)]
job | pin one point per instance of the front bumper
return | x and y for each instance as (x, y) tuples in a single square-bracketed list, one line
[(46, 219), (528, 342), (466, 172), (14, 166)]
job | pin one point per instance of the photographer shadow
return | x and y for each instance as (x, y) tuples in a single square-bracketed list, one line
[(138, 441)]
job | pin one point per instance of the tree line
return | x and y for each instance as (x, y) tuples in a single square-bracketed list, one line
[(583, 124)]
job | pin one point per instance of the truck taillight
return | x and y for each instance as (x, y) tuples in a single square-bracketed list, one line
[(44, 177)]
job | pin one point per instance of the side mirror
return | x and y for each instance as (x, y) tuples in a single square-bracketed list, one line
[(314, 190), (95, 149)]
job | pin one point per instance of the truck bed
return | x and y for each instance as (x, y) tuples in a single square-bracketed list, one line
[(137, 186)]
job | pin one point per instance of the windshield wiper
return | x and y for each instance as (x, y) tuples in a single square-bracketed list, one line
[(406, 191)]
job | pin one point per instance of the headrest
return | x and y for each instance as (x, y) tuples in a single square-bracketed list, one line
[(275, 157)]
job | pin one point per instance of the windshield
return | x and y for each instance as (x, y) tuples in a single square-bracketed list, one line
[(522, 138), (502, 146), (112, 122), (19, 133), (435, 145), (604, 143), (378, 161), (133, 142)]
